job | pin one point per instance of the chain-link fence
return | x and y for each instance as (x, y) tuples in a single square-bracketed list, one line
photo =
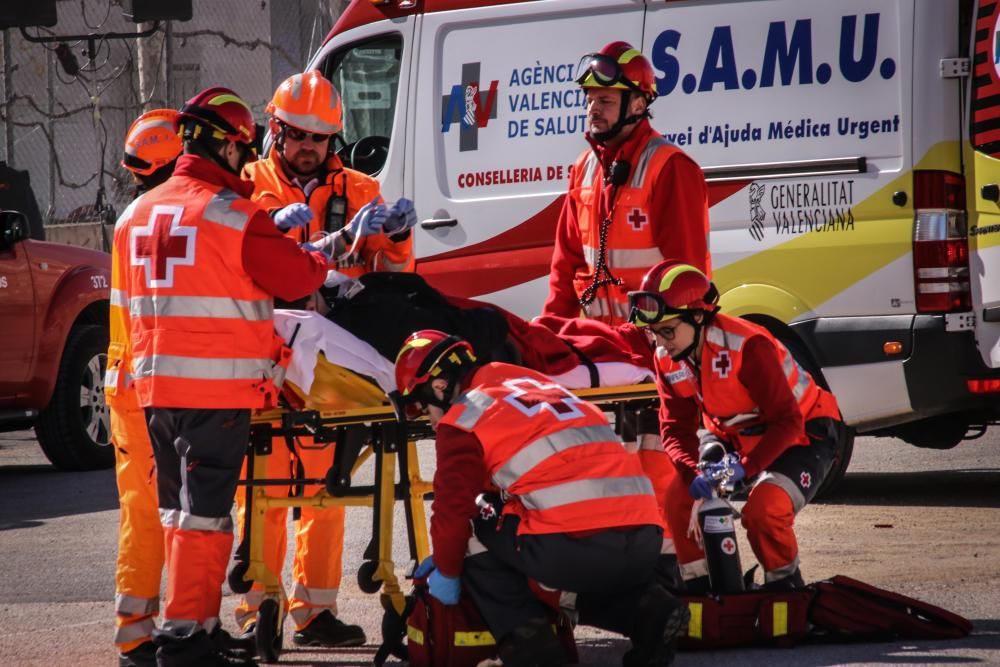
[(67, 104)]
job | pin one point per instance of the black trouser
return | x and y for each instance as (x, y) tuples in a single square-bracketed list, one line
[(609, 571), (199, 454)]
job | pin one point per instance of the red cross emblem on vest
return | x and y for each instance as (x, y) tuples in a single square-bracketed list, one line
[(162, 245), (637, 219), (531, 397), (722, 364)]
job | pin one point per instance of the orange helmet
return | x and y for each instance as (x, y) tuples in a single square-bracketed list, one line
[(427, 355), (671, 289), (152, 142), (308, 102), (221, 111), (617, 65)]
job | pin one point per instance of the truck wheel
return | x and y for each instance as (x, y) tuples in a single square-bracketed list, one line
[(74, 429)]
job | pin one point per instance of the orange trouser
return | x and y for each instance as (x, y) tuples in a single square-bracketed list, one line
[(319, 538), (660, 470), (140, 535), (768, 517)]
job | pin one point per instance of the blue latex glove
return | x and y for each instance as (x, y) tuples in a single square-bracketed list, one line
[(444, 588), (701, 487), (368, 220), (326, 249), (426, 567), (293, 215), (400, 217)]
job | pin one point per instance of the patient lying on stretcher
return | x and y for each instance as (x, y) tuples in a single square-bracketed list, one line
[(359, 325)]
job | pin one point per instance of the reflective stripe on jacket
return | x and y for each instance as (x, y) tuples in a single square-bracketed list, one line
[(552, 454)]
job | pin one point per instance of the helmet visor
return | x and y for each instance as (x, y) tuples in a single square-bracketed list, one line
[(647, 308)]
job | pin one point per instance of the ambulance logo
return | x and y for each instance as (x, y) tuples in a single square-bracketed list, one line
[(728, 546), (722, 364), (470, 106)]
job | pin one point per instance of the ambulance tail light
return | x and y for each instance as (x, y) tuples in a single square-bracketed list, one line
[(940, 243)]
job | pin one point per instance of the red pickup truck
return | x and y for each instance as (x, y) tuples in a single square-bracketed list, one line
[(53, 345)]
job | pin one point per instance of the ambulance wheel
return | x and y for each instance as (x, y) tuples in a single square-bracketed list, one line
[(840, 463), (237, 583), (366, 577), (269, 634)]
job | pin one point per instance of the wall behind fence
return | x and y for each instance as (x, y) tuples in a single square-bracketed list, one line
[(67, 129)]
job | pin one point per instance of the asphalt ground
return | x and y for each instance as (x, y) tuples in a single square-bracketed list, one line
[(922, 522)]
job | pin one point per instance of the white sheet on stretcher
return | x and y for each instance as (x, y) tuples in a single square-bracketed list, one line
[(341, 347)]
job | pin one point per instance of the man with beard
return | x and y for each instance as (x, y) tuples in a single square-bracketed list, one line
[(309, 193)]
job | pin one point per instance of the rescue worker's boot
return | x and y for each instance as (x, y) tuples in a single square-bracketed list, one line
[(197, 649), (533, 644), (325, 629), (662, 618), (143, 655), (792, 582)]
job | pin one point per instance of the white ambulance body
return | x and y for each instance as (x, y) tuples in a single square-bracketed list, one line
[(849, 153)]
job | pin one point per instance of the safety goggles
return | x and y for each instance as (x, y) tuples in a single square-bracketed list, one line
[(605, 72), (295, 134), (645, 308)]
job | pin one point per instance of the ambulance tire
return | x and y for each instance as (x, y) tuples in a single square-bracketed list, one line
[(843, 457), (839, 467), (74, 429)]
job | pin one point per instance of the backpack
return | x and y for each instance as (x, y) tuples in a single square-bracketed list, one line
[(752, 618), (850, 610)]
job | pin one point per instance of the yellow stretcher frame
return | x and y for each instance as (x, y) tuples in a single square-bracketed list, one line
[(393, 444)]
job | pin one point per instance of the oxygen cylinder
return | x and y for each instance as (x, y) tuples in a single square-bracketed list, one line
[(725, 572)]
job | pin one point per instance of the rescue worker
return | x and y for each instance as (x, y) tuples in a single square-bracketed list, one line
[(744, 386), (203, 264), (578, 515), (308, 191), (152, 146), (633, 200)]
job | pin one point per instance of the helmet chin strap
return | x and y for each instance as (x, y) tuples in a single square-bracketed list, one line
[(623, 120), (698, 328)]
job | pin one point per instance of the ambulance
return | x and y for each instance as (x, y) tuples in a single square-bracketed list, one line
[(852, 151)]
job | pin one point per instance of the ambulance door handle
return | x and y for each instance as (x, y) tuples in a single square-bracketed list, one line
[(990, 192), (437, 223)]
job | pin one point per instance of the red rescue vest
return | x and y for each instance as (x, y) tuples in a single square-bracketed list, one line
[(553, 455)]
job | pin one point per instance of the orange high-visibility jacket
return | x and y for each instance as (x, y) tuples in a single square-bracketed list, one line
[(727, 408), (631, 246), (202, 330), (116, 375), (554, 455), (273, 190)]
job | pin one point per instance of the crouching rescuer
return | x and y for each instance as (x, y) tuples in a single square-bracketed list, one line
[(741, 384), (564, 504)]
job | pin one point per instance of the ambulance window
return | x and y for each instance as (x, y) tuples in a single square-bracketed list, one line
[(367, 76)]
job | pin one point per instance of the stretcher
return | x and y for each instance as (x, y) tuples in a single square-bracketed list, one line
[(357, 421)]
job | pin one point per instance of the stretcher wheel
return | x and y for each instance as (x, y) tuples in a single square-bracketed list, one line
[(269, 634), (237, 583), (366, 580)]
